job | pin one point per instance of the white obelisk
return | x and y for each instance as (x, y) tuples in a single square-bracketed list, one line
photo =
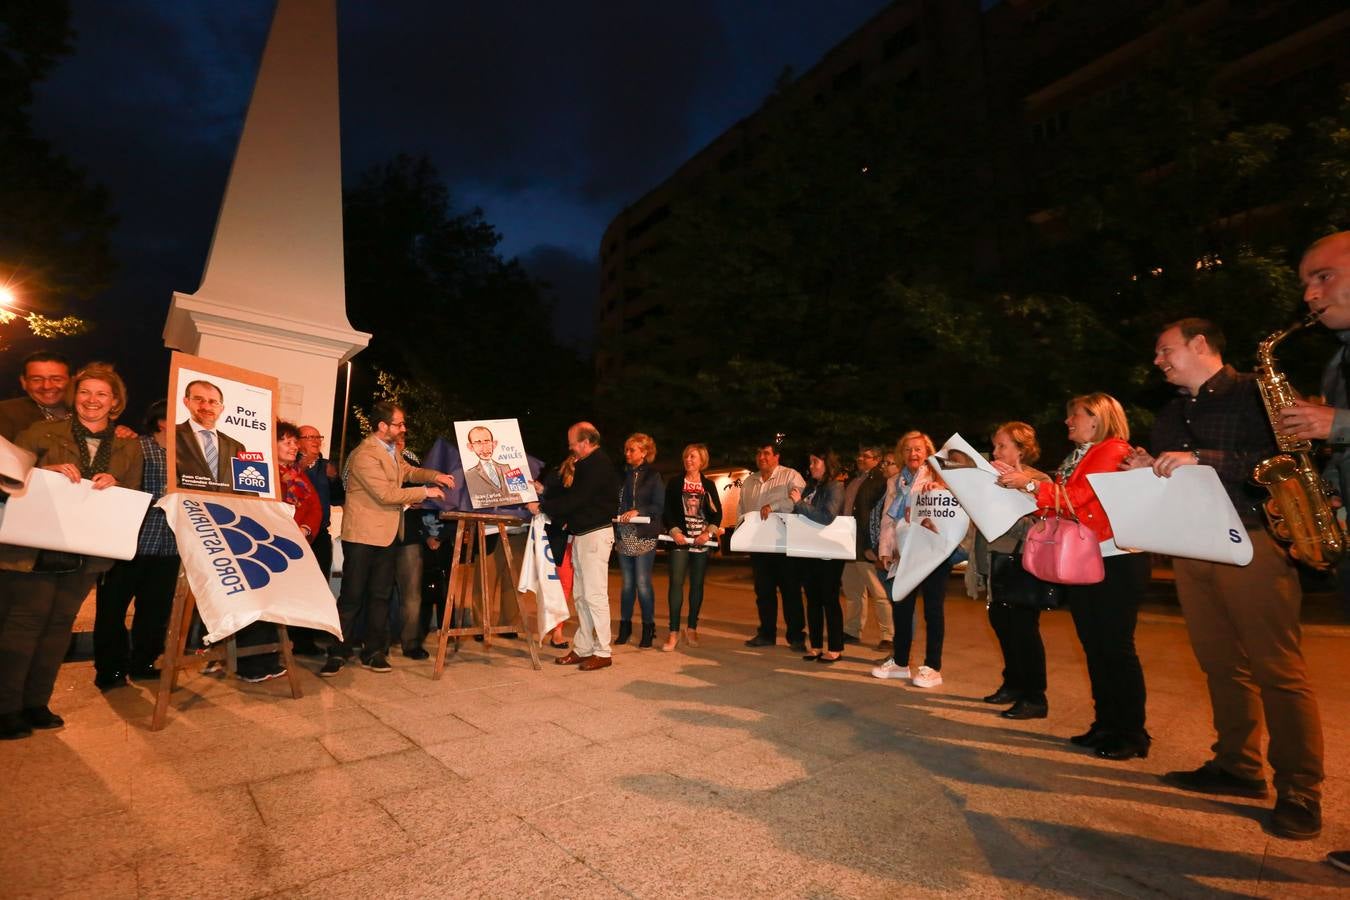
[(272, 298)]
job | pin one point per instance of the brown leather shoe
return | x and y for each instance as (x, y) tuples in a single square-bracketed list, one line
[(571, 659), (591, 663)]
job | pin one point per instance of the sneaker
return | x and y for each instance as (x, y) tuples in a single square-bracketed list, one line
[(416, 653), (214, 667), (1340, 859), (1296, 818), (1210, 779), (331, 667), (927, 678), (259, 677), (890, 669), (376, 663)]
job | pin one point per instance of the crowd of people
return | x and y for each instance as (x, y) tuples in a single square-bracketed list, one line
[(1243, 622)]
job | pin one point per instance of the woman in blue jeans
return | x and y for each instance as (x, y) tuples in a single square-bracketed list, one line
[(912, 452), (641, 496), (693, 516)]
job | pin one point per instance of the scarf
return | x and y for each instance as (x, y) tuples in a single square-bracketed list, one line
[(1071, 462), (99, 464)]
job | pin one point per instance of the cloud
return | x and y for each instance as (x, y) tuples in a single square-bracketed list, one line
[(573, 283)]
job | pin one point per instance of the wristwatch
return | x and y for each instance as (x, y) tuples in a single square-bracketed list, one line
[(1031, 487)]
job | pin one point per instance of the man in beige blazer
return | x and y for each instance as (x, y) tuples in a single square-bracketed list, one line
[(371, 519)]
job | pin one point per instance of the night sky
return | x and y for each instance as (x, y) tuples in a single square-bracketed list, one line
[(550, 116)]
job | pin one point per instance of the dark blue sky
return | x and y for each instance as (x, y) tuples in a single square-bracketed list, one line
[(550, 116)]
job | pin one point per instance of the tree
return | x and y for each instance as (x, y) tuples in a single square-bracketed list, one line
[(458, 331), (55, 226)]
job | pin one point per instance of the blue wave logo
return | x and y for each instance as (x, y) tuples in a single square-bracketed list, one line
[(259, 553)]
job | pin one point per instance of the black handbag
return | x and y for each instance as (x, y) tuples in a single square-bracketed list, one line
[(1012, 585)]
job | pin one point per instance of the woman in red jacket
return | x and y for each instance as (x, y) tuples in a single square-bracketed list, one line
[(1104, 614)]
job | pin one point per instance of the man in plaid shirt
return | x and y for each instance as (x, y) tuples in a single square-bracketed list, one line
[(1243, 620), (150, 577)]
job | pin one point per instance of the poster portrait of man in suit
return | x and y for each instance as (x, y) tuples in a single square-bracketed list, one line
[(203, 452), (485, 477)]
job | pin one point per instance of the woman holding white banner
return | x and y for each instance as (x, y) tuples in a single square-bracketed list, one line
[(996, 568), (822, 502), (1104, 613), (43, 589), (915, 476)]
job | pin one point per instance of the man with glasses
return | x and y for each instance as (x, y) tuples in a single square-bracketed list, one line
[(44, 379), (372, 522), (202, 452), (861, 581)]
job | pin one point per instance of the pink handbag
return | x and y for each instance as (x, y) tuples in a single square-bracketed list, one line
[(1062, 549)]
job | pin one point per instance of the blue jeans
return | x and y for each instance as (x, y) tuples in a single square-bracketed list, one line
[(637, 581), (683, 562)]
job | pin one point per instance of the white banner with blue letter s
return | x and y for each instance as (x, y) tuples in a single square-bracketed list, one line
[(1188, 514), (246, 561)]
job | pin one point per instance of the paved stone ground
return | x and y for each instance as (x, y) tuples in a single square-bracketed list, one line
[(718, 771)]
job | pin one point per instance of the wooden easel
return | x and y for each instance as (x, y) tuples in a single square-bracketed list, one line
[(472, 533), (175, 657)]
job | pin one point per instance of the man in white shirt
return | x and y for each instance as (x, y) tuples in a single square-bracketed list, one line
[(764, 493)]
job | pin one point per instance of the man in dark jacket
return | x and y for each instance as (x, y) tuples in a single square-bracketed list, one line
[(861, 581), (588, 508), (44, 380)]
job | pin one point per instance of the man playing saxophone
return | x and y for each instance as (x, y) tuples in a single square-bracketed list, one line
[(1325, 273), (1243, 621)]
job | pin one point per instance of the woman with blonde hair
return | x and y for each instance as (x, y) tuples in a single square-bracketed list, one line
[(1104, 614), (641, 495), (43, 589), (692, 517), (916, 475)]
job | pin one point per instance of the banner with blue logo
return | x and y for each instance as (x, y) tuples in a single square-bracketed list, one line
[(539, 576), (246, 561)]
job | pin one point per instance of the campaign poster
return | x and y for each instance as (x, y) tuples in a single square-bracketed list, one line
[(223, 418), (496, 469)]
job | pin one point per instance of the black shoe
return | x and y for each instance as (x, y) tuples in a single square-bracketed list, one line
[(760, 640), (376, 662), (1210, 779), (148, 673), (331, 667), (850, 639), (797, 646), (648, 635), (1119, 747), (42, 717), (558, 645), (1094, 737), (106, 681), (1296, 818), (416, 653), (1003, 695), (1340, 859), (261, 675), (14, 726), (625, 632), (508, 635), (1026, 709)]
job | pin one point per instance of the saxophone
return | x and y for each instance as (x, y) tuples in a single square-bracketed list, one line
[(1299, 508)]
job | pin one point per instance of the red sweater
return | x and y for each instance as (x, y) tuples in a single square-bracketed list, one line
[(1103, 457)]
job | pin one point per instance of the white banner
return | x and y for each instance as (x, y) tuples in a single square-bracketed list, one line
[(539, 576), (247, 561), (1187, 515), (52, 513), (973, 480), (937, 525), (756, 535), (812, 540), (15, 464)]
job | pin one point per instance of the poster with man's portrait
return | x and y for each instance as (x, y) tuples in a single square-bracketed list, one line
[(496, 470), (223, 439)]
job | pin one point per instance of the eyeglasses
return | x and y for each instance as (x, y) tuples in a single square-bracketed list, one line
[(311, 437)]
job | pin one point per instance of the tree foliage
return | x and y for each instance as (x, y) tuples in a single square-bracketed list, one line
[(55, 226), (458, 331)]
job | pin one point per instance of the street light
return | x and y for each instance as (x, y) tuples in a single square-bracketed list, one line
[(7, 296)]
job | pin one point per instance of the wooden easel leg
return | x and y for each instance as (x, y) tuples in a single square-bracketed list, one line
[(288, 660), (231, 657), (489, 608), (451, 615), (173, 651), (531, 638)]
